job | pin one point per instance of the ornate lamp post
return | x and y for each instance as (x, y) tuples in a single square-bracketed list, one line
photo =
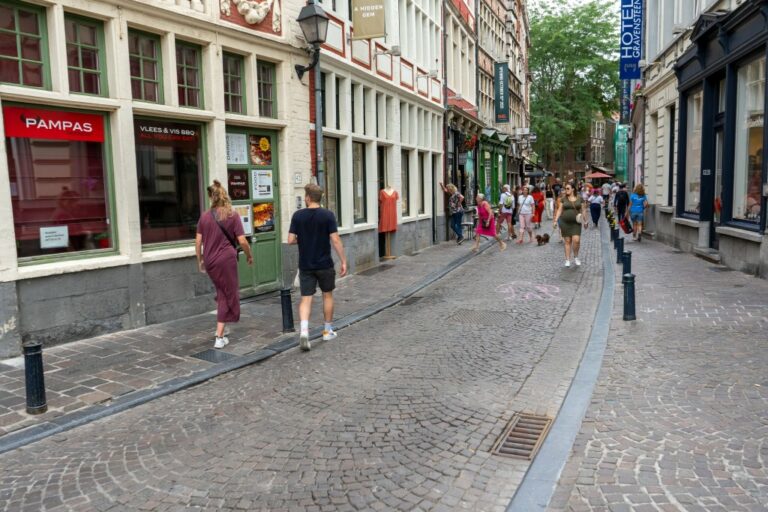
[(314, 25)]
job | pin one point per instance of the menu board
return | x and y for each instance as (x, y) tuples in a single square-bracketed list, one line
[(237, 149), (237, 184), (261, 183), (246, 215)]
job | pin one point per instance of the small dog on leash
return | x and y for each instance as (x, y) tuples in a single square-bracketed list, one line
[(542, 239)]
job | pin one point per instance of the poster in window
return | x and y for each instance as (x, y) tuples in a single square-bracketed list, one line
[(246, 216), (262, 184), (237, 184), (54, 237), (261, 150), (264, 217), (237, 149)]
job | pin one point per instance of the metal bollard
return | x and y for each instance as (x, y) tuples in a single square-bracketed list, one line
[(287, 305), (613, 236), (619, 249), (34, 378), (626, 259), (629, 296)]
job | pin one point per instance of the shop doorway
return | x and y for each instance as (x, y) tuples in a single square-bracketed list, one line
[(714, 240), (252, 182), (381, 180)]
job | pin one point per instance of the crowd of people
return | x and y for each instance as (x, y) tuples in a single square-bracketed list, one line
[(570, 207)]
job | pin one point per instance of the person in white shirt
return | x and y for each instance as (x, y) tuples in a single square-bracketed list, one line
[(606, 192), (507, 209), (525, 214), (595, 204)]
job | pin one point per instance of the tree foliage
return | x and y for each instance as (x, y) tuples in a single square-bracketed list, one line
[(574, 71)]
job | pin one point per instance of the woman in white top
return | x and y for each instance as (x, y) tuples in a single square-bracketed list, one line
[(526, 205), (595, 204)]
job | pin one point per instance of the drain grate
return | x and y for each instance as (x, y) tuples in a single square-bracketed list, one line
[(523, 437), (213, 356), (410, 301), (375, 270)]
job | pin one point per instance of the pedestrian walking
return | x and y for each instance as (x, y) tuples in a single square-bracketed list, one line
[(549, 199), (507, 210), (606, 190), (638, 202), (314, 229), (570, 213), (595, 205), (486, 225), (621, 201), (525, 214), (219, 232), (456, 210), (538, 211)]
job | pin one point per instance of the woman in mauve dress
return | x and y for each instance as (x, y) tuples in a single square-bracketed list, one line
[(218, 230), (486, 225)]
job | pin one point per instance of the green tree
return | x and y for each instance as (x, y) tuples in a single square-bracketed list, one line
[(574, 71)]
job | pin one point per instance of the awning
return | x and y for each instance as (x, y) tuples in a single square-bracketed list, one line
[(597, 175)]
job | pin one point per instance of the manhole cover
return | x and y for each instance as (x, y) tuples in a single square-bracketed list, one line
[(720, 269), (375, 270), (485, 317), (523, 437), (411, 300), (213, 356)]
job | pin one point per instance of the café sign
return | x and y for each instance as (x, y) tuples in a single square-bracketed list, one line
[(37, 123)]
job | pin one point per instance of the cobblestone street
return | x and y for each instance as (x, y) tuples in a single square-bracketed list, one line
[(679, 417), (401, 412)]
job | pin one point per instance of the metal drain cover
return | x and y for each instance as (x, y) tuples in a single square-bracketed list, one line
[(213, 356), (410, 300), (523, 437)]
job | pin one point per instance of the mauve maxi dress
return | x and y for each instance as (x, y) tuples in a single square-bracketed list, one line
[(220, 260)]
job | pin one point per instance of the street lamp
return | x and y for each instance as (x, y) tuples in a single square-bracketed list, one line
[(314, 25)]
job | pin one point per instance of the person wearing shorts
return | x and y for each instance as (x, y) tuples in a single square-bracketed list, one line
[(526, 205), (638, 202), (314, 229), (506, 212)]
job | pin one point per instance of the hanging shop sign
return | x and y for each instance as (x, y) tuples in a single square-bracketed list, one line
[(368, 19), (626, 100), (237, 149), (36, 123), (501, 90), (630, 49)]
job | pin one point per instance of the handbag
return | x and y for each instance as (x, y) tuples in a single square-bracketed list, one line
[(579, 216), (229, 237), (626, 226)]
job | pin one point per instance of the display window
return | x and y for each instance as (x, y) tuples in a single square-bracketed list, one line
[(692, 181), (748, 168), (59, 180), (169, 165)]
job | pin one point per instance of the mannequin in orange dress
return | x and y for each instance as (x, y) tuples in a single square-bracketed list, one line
[(388, 216)]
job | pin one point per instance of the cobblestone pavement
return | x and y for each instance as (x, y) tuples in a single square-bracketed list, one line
[(679, 417), (96, 370), (399, 413)]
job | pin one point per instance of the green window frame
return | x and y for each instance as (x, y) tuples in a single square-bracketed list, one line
[(146, 66), (234, 73), (265, 77), (189, 75), (405, 185), (22, 30), (85, 56)]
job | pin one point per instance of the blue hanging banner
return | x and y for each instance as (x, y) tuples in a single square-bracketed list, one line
[(626, 101), (501, 96), (631, 46)]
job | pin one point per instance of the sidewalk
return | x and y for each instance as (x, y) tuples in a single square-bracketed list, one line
[(678, 417), (99, 370)]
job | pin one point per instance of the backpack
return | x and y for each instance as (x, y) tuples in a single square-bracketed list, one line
[(508, 201)]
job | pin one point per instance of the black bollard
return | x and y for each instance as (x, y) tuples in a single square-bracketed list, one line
[(34, 378), (629, 296), (619, 249), (626, 259), (613, 236), (287, 306)]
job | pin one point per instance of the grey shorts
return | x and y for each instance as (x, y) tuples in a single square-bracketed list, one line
[(310, 279)]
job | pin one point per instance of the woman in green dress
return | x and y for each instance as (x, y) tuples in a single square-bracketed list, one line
[(569, 208)]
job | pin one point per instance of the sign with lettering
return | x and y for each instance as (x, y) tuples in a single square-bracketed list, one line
[(368, 19), (631, 44), (501, 91), (626, 101), (237, 148), (150, 131), (54, 237), (37, 123)]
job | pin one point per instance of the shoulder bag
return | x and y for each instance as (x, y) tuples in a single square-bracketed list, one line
[(579, 216), (229, 237)]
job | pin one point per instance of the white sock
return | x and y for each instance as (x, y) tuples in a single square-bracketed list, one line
[(328, 326), (304, 326)]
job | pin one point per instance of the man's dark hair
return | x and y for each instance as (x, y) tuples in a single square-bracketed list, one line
[(314, 192)]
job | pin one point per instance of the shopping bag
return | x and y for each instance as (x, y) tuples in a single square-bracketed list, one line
[(626, 225)]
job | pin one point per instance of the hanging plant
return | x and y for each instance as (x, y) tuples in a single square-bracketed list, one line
[(470, 143)]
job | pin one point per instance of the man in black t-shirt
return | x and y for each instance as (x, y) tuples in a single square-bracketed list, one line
[(621, 201), (314, 229)]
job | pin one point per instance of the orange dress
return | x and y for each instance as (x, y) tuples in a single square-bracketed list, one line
[(388, 211)]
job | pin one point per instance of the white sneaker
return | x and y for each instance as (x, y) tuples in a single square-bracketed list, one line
[(329, 335), (567, 263), (221, 342), (577, 261), (304, 342)]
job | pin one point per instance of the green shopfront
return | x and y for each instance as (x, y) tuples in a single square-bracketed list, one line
[(493, 161)]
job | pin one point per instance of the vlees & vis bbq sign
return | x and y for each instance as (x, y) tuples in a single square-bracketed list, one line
[(35, 123)]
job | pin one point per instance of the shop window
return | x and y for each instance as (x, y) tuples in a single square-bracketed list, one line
[(188, 75), (359, 182), (23, 52), (405, 177), (145, 62), (422, 183), (323, 97), (85, 57), (748, 165), (170, 174), (58, 179), (234, 100), (581, 154), (692, 182), (266, 82), (331, 185)]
